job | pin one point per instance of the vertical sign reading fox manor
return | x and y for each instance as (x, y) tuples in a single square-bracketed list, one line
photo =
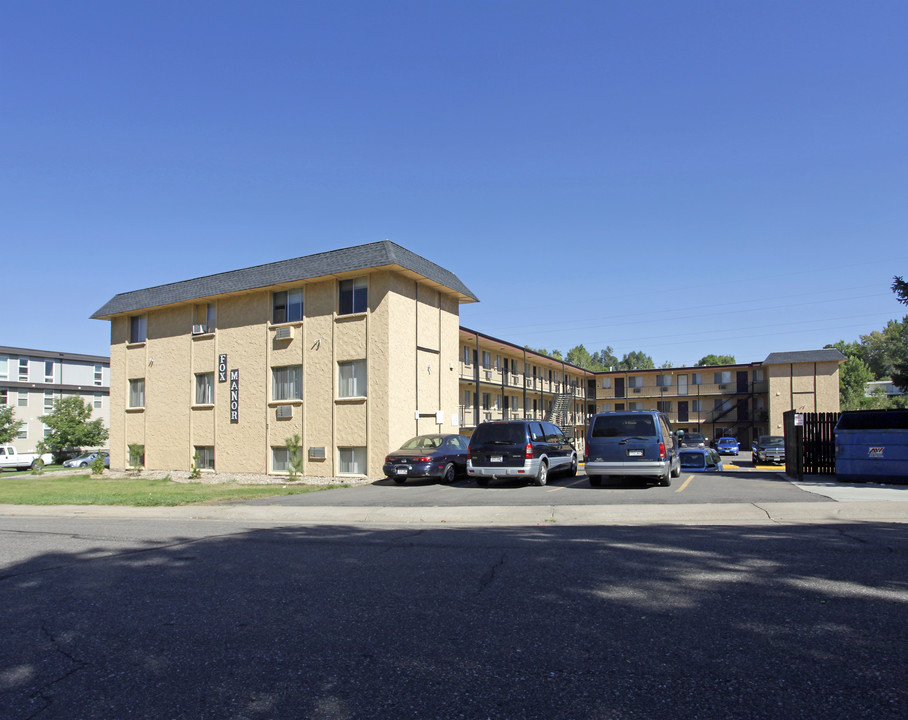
[(234, 396)]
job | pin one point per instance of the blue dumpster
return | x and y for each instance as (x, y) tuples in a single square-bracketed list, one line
[(872, 445)]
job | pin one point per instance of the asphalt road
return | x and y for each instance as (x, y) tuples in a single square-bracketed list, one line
[(157, 617), (741, 484)]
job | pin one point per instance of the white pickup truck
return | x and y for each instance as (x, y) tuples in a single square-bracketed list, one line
[(9, 458)]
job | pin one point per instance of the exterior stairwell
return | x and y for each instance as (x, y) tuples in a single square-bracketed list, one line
[(560, 407)]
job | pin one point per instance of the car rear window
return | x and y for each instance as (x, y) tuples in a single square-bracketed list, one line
[(511, 433), (624, 426), (692, 459)]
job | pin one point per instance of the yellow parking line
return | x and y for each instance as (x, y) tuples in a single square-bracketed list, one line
[(554, 489), (686, 483)]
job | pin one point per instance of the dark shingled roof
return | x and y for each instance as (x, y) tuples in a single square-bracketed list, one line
[(360, 257), (802, 356)]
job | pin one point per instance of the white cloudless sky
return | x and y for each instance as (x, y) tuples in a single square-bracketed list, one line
[(680, 178)]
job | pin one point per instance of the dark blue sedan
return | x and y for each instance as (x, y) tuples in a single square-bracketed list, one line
[(727, 446), (443, 457)]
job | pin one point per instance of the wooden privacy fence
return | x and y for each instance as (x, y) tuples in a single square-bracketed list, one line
[(810, 444)]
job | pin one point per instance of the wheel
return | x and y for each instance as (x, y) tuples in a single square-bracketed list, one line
[(448, 477), (83, 464), (676, 473), (482, 481), (400, 480), (543, 475), (573, 471), (666, 480), (595, 480)]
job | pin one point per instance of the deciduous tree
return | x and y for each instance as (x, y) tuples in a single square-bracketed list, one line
[(71, 427)]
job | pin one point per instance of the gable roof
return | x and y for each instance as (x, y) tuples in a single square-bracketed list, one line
[(334, 262), (803, 356)]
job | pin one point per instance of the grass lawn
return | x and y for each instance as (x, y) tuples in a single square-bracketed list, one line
[(60, 488)]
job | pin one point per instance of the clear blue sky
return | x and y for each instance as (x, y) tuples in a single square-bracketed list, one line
[(680, 178)]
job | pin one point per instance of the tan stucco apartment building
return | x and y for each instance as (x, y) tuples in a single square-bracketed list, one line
[(357, 349)]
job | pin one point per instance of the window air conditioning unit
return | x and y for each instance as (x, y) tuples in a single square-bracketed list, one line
[(285, 411), (199, 329), (488, 374), (283, 333), (636, 390), (722, 387)]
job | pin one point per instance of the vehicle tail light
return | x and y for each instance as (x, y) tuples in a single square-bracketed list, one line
[(423, 459), (528, 452), (586, 452), (662, 451)]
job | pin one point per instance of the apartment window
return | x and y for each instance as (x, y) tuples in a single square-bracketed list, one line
[(23, 399), (486, 360), (664, 406), (4, 368), (467, 354), (287, 383), (99, 374), (48, 401), (204, 389), (204, 318), (4, 398), (287, 306), (352, 460), (98, 401), (137, 331), (137, 393), (351, 378), (48, 371), (280, 459), (635, 406), (466, 398), (696, 379), (605, 407), (606, 383), (497, 402), (353, 296), (663, 380), (23, 370), (696, 405), (23, 432), (723, 377), (758, 375), (720, 404), (205, 455)]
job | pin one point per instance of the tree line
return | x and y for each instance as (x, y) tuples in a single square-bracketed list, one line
[(605, 360), (879, 355)]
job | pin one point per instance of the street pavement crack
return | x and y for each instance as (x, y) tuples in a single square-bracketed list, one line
[(489, 575)]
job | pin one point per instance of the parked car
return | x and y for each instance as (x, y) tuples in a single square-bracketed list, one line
[(728, 446), (700, 460), (692, 440), (86, 460), (11, 458), (428, 456), (769, 449), (528, 449), (636, 442)]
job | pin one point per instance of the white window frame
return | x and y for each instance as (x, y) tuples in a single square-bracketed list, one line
[(138, 329), (287, 383), (206, 456), (4, 368), (137, 393), (23, 369), (204, 388), (351, 460), (49, 367), (352, 379), (49, 406), (22, 399), (98, 401), (355, 293), (99, 374), (720, 377)]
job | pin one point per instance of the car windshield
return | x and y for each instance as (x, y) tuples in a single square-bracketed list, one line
[(624, 426), (505, 433), (692, 459), (772, 441), (422, 442), (692, 437), (727, 441)]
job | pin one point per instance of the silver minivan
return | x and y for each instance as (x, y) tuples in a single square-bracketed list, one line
[(634, 442)]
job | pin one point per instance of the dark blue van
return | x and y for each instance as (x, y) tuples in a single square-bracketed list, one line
[(635, 442)]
